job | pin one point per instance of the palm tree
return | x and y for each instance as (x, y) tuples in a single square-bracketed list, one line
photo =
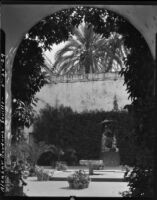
[(87, 52)]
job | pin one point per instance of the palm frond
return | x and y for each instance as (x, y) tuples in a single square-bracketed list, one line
[(76, 43), (72, 46), (95, 64), (89, 35), (78, 34), (65, 66), (88, 52), (100, 42), (64, 50), (62, 60)]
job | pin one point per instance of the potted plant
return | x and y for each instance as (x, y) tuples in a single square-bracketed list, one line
[(14, 180), (78, 180)]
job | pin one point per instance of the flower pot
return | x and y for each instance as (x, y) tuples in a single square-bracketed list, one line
[(78, 180)]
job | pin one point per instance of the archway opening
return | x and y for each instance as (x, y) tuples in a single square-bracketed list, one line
[(29, 64)]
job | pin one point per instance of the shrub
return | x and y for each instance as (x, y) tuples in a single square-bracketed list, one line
[(78, 180), (140, 183), (80, 131), (70, 156), (32, 171), (43, 175), (14, 181)]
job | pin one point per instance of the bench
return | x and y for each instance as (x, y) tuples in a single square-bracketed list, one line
[(92, 164)]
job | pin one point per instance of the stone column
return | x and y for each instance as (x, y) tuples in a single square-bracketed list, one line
[(8, 111)]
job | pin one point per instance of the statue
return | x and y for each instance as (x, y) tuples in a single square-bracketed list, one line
[(108, 142), (109, 151)]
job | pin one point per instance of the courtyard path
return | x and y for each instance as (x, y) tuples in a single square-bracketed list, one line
[(60, 188)]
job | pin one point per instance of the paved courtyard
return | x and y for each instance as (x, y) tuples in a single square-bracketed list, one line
[(61, 189), (109, 183)]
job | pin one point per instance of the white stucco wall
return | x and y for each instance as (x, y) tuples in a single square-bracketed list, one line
[(82, 96)]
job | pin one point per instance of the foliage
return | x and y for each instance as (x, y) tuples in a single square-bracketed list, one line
[(43, 174), (27, 74), (139, 78), (20, 150), (142, 180), (55, 29), (27, 79), (139, 177), (14, 181), (61, 166), (87, 52), (79, 131), (70, 156), (31, 152), (29, 61), (78, 180)]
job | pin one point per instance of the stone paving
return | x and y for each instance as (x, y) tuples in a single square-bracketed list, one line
[(61, 189), (105, 186)]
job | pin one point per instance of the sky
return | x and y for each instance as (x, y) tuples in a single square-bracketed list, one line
[(55, 48)]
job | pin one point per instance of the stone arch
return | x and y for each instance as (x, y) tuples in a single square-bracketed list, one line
[(29, 15), (13, 51)]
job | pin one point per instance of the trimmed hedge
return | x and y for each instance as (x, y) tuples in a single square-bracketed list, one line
[(83, 131)]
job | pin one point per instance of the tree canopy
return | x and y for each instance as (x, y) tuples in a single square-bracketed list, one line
[(87, 52)]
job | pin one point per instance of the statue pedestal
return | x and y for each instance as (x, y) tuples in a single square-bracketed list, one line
[(110, 158)]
